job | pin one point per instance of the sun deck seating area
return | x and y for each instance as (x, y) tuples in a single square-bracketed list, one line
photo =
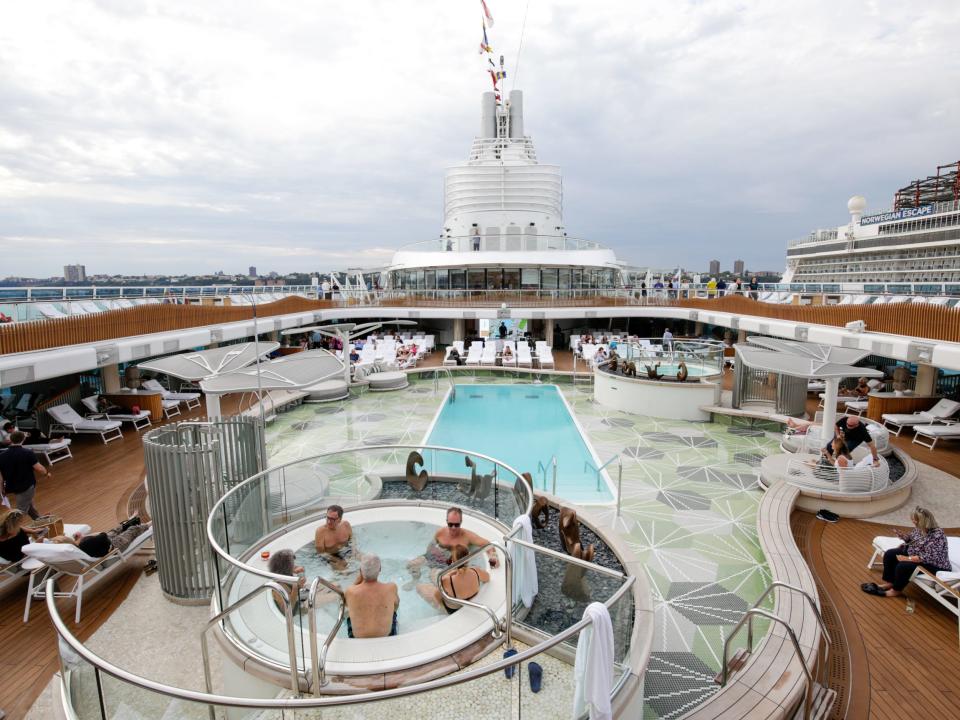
[(941, 412), (944, 586), (68, 420), (811, 440), (772, 681)]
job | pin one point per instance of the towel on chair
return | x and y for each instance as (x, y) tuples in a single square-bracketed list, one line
[(525, 585), (593, 668)]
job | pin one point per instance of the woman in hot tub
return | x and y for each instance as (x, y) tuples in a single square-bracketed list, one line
[(463, 583)]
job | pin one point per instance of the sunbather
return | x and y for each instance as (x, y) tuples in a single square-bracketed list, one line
[(100, 544), (13, 536), (924, 546)]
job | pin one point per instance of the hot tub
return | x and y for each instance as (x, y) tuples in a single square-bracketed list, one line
[(397, 533)]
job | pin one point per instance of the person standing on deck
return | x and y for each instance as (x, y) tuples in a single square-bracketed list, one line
[(17, 468)]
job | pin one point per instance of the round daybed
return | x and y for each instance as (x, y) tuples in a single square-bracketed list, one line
[(855, 492), (327, 391), (387, 380), (811, 442)]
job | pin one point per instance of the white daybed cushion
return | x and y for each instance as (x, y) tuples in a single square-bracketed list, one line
[(57, 553)]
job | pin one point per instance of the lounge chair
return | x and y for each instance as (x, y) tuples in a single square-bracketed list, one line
[(139, 420), (191, 399), (489, 354), (473, 357), (932, 433), (53, 451), (943, 410), (545, 359), (11, 573), (856, 406), (68, 420), (54, 560), (524, 359)]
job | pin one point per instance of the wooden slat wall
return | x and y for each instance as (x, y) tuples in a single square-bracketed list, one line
[(45, 334), (918, 319)]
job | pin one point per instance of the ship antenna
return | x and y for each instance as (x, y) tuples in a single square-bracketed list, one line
[(516, 65)]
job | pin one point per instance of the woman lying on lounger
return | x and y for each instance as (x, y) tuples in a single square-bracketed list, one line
[(100, 544), (924, 546)]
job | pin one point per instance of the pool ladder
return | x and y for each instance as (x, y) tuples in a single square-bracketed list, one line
[(818, 698), (319, 659), (436, 380), (542, 469)]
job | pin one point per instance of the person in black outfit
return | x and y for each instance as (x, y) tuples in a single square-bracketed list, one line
[(503, 330), (853, 433), (754, 288), (17, 466)]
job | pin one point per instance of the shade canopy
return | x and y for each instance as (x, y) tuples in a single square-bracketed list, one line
[(344, 329), (195, 366), (292, 372), (804, 360)]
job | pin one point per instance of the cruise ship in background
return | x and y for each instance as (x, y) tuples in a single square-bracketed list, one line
[(911, 249)]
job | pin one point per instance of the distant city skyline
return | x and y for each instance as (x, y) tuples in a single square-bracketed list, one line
[(164, 138)]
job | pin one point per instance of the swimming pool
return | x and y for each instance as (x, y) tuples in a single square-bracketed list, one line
[(521, 425)]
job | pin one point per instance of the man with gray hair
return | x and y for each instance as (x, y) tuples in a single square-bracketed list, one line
[(371, 604)]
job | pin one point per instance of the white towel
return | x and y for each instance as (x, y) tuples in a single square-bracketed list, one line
[(593, 668), (525, 585)]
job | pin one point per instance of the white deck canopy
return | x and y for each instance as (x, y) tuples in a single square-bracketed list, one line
[(291, 372), (195, 366), (807, 360)]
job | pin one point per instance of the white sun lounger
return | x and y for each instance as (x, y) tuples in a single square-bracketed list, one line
[(191, 399), (12, 572), (53, 560), (473, 357), (139, 420), (489, 354), (67, 420), (53, 451), (857, 406), (545, 359), (931, 433), (943, 410), (524, 359)]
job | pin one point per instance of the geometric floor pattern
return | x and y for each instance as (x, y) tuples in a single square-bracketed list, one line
[(688, 513)]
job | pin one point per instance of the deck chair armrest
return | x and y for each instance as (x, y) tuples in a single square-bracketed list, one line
[(63, 427), (114, 553), (932, 576), (96, 416)]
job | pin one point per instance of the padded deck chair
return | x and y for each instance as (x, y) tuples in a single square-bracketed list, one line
[(931, 433), (191, 399), (489, 354), (53, 560), (53, 451), (524, 359), (68, 420), (473, 357), (139, 420), (11, 573), (545, 358), (943, 410)]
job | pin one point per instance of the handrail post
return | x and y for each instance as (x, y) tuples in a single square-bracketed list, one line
[(619, 483), (507, 626), (554, 492), (318, 659)]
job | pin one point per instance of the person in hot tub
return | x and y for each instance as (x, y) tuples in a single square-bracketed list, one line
[(445, 539), (371, 604), (463, 583), (333, 538)]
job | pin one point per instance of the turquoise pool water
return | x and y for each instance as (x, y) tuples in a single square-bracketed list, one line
[(520, 425)]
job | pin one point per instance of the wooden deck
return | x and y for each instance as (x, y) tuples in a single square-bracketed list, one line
[(888, 664), (100, 486)]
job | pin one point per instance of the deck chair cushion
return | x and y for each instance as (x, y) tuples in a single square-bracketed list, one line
[(944, 408), (57, 553)]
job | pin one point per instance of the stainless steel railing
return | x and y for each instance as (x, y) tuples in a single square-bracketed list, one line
[(319, 660), (499, 629), (542, 469)]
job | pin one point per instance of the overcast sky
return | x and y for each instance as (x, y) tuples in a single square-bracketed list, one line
[(193, 136)]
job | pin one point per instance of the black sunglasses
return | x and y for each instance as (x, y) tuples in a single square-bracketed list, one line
[(453, 525)]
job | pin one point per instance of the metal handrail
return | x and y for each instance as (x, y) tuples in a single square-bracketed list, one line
[(436, 380), (816, 611), (748, 616), (301, 703), (271, 586), (319, 661), (541, 468), (569, 558), (498, 628), (587, 465)]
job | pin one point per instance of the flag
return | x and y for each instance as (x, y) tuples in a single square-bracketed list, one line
[(486, 14), (485, 45), (493, 76)]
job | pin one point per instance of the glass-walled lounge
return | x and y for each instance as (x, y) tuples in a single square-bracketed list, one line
[(505, 278)]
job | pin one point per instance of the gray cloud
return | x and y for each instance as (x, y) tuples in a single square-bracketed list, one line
[(142, 137)]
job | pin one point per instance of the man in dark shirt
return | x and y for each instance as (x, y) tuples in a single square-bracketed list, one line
[(854, 433), (17, 466)]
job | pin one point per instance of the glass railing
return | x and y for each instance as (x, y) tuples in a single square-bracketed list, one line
[(518, 243), (702, 357), (283, 497)]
